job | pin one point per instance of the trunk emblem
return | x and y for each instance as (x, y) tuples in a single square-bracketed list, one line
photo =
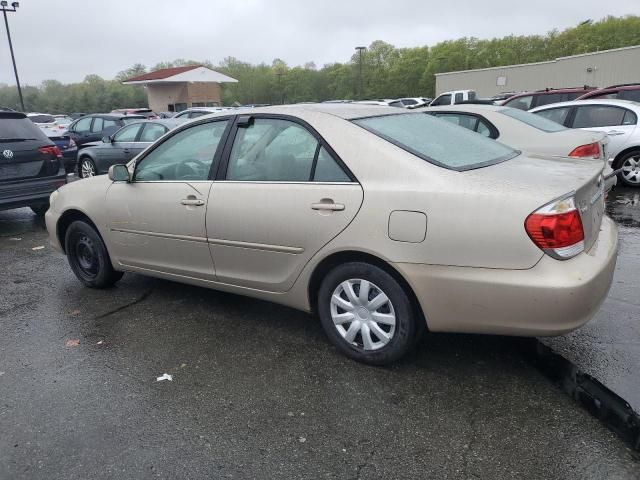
[(7, 154)]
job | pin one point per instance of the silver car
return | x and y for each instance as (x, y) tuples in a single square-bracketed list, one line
[(617, 118), (385, 222)]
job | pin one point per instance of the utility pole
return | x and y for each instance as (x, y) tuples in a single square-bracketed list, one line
[(279, 75), (360, 50), (5, 8)]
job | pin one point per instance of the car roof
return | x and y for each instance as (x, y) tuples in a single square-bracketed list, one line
[(596, 101)]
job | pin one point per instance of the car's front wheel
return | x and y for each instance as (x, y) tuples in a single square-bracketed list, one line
[(630, 165), (88, 256), (87, 168), (367, 314)]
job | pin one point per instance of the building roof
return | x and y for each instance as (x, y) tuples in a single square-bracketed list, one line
[(190, 73)]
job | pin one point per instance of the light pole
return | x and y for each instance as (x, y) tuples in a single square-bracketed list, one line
[(279, 75), (360, 50), (5, 8)]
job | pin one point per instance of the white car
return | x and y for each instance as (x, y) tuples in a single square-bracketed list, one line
[(412, 102), (617, 118), (453, 97)]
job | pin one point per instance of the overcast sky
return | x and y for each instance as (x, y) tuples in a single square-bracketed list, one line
[(68, 39)]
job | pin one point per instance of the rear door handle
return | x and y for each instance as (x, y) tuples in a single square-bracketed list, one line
[(192, 202), (613, 133), (334, 207)]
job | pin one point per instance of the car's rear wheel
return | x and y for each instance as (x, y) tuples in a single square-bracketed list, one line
[(367, 314), (87, 168), (630, 165), (88, 256)]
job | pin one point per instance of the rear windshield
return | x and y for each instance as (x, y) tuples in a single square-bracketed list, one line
[(41, 118), (437, 141), (535, 121), (18, 129)]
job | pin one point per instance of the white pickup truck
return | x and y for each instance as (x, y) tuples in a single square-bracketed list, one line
[(453, 97)]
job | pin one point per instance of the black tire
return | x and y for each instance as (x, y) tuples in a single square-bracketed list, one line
[(91, 163), (634, 154), (88, 256), (407, 327), (40, 210)]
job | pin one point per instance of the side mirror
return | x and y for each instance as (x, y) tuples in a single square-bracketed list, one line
[(106, 139), (119, 173)]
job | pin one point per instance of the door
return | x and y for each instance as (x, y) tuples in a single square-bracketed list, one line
[(617, 122), (81, 130), (157, 221), (119, 150), (281, 197)]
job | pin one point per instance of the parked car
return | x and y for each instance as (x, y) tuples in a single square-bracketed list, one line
[(67, 147), (410, 102), (30, 164), (453, 97), (377, 218), (196, 112), (145, 112), (76, 115), (530, 100), (627, 91), (63, 121), (42, 119), (91, 128), (617, 118), (122, 146), (525, 131)]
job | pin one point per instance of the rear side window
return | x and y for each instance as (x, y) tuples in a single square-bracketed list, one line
[(633, 95), (437, 142), (558, 115), (598, 116), (533, 120), (98, 125), (630, 118), (459, 98), (19, 128), (550, 98), (521, 103), (328, 170)]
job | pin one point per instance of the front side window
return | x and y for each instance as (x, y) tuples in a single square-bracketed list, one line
[(459, 98), (83, 125), (533, 120), (272, 150), (589, 116), (186, 156), (437, 142), (557, 115), (521, 103), (442, 100), (633, 95), (127, 134), (152, 132)]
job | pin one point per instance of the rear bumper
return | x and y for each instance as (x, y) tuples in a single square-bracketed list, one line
[(552, 298), (29, 192)]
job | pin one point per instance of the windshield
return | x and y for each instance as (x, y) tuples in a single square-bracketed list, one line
[(41, 118), (438, 142), (14, 128), (535, 121)]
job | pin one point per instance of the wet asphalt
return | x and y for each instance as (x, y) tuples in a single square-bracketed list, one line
[(259, 393), (608, 347)]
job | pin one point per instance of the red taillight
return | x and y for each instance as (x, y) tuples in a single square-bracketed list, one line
[(53, 150), (591, 150), (557, 229)]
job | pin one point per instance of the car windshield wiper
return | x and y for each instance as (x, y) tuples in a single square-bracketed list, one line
[(15, 139)]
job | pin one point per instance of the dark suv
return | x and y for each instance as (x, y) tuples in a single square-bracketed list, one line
[(31, 165), (626, 91), (529, 100), (91, 128)]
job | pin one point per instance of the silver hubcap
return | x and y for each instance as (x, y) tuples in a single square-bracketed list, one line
[(363, 314), (631, 169), (86, 169)]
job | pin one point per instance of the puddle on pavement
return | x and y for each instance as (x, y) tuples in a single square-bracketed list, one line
[(18, 222), (623, 205)]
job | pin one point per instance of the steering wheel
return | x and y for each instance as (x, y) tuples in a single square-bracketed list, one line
[(191, 169)]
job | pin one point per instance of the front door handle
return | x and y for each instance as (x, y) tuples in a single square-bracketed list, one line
[(333, 207), (193, 202)]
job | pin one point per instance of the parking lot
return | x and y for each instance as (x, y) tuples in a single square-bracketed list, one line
[(258, 392)]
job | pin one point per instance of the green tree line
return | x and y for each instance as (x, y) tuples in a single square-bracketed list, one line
[(387, 71)]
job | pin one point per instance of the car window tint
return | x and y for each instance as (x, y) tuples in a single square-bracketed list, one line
[(182, 115), (188, 155), (409, 101), (129, 120), (83, 125), (152, 132), (521, 103), (535, 121), (459, 97), (558, 115), (127, 134), (328, 170), (604, 96), (466, 121), (436, 141), (483, 128), (598, 116), (442, 100), (633, 95), (43, 118), (272, 150), (109, 123), (397, 103), (97, 126), (630, 118), (196, 114), (549, 99)]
